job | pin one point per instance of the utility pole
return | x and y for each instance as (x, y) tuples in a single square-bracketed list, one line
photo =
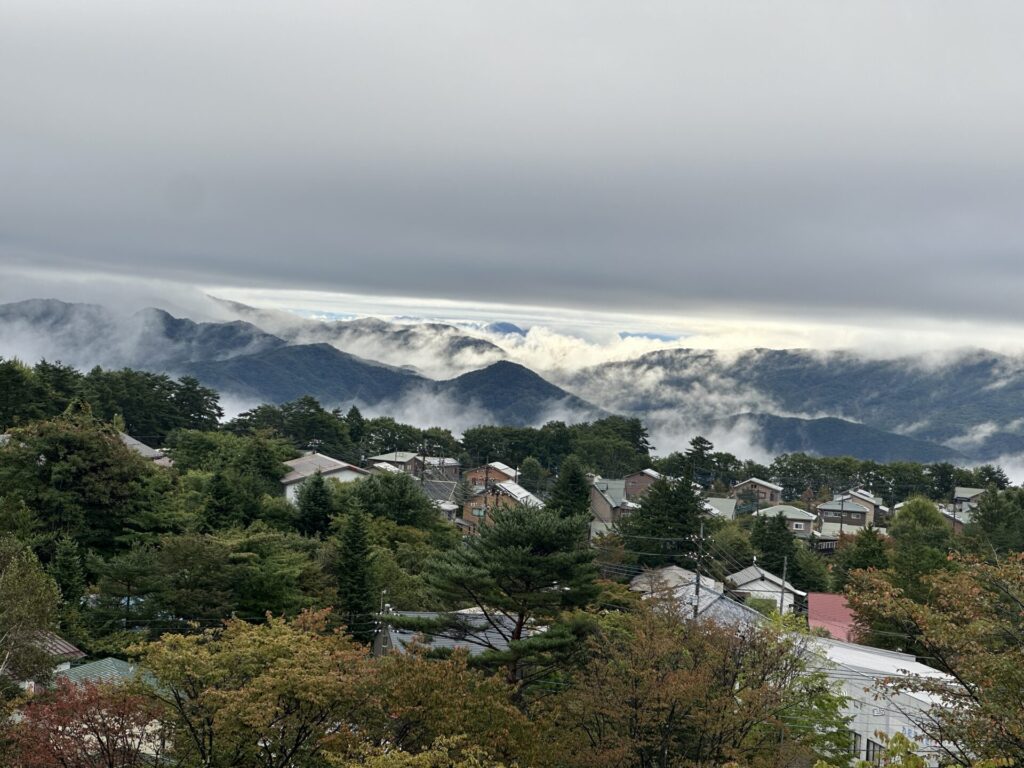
[(782, 587), (700, 555)]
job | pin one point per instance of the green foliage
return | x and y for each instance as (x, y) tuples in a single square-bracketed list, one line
[(570, 495), (775, 545), (357, 601), (28, 606), (315, 506), (921, 541), (868, 549), (666, 527), (532, 475), (396, 497), (998, 522)]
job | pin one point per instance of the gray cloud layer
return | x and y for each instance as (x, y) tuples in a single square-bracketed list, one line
[(825, 158)]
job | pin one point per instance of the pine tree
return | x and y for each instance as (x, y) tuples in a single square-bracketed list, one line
[(867, 549), (357, 601), (314, 502), (356, 424), (66, 569), (775, 544), (665, 528), (570, 495)]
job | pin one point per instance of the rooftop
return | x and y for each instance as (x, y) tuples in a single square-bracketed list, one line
[(754, 573), (311, 463), (108, 670), (401, 457), (788, 512), (759, 481), (831, 613)]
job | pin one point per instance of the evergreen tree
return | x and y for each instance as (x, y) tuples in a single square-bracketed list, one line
[(524, 571), (315, 508), (775, 545), (921, 539), (570, 495), (67, 570), (356, 598), (698, 461), (356, 424), (665, 528), (867, 549), (809, 572), (531, 475)]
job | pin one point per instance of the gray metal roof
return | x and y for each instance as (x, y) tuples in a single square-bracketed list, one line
[(308, 465), (843, 506), (108, 670), (402, 457), (788, 512), (479, 636), (967, 493)]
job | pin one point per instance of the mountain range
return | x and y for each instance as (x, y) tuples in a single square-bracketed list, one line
[(959, 407)]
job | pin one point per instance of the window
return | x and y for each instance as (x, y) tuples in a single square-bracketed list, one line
[(874, 752), (856, 742), (479, 511), (798, 526)]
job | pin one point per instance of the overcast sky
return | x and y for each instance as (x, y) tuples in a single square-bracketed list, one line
[(799, 162)]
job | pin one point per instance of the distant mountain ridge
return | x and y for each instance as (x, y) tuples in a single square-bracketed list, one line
[(962, 407)]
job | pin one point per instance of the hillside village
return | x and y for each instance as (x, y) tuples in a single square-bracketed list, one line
[(289, 508)]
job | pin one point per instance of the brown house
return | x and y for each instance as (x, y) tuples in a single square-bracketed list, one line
[(479, 507), (489, 474), (405, 461), (757, 490), (638, 483)]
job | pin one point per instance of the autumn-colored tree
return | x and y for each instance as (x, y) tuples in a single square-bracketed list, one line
[(271, 695), (659, 691), (447, 752), (970, 628), (90, 725)]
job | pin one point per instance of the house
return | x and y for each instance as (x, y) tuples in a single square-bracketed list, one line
[(967, 496), (154, 455), (638, 483), (405, 461), (756, 491), (799, 521), (679, 585), (754, 581), (723, 508), (61, 652), (843, 515), (108, 670), (304, 467), (831, 613), (957, 516), (503, 495), (442, 494), (441, 468), (865, 675), (475, 634), (488, 474), (608, 502), (880, 513)]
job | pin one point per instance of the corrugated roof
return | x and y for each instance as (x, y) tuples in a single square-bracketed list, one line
[(57, 646), (753, 573), (843, 506), (831, 613), (788, 512), (520, 494), (108, 670), (505, 469), (441, 461), (723, 507), (401, 457), (308, 465)]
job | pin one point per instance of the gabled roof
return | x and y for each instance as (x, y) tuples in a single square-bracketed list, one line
[(788, 512), (505, 469), (440, 490), (722, 507), (753, 573), (440, 461), (520, 494), (843, 506), (966, 494), (140, 448), (308, 465), (402, 457), (831, 613), (860, 493), (679, 585), (759, 481), (57, 646), (613, 491)]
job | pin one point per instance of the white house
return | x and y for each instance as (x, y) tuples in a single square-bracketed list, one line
[(306, 466), (754, 581)]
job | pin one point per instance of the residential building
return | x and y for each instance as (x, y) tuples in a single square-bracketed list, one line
[(409, 462), (108, 670), (957, 515), (638, 483), (799, 521), (304, 467), (488, 474), (680, 586), (756, 491), (723, 508), (608, 502), (478, 508), (843, 515), (62, 653), (441, 468), (754, 581), (475, 633), (156, 456), (831, 613)]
